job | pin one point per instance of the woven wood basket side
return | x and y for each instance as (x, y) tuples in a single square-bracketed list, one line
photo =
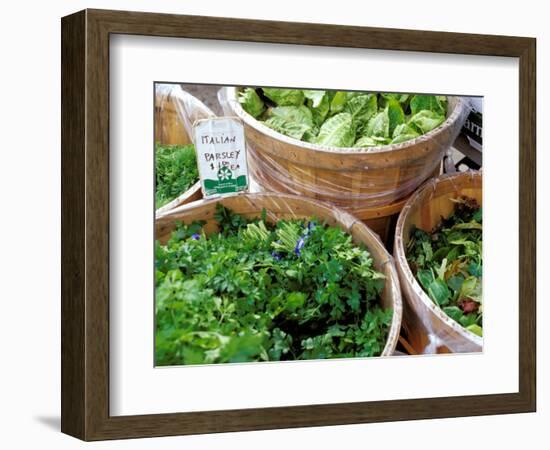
[(424, 209), (281, 206)]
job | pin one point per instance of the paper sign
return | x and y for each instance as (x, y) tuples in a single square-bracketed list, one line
[(221, 156)]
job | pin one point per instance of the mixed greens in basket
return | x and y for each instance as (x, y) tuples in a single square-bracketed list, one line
[(343, 118), (448, 264), (256, 291), (175, 171)]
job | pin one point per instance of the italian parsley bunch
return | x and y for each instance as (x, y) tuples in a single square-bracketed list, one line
[(261, 292), (175, 170)]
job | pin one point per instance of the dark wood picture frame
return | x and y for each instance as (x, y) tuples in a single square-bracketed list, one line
[(85, 224)]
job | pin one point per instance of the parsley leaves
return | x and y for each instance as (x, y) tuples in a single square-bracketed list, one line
[(176, 171), (261, 292)]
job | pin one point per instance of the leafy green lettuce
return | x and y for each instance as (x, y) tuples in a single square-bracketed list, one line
[(343, 118), (251, 102), (448, 264)]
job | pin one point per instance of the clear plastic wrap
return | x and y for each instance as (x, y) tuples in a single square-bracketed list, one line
[(347, 177), (175, 113), (422, 315), (283, 206)]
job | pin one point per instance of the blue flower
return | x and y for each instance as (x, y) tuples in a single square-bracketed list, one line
[(299, 246), (196, 236), (276, 256)]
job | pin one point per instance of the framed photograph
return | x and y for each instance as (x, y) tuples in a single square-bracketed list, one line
[(272, 225)]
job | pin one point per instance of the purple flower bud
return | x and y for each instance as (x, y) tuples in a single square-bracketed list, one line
[(196, 236), (299, 246)]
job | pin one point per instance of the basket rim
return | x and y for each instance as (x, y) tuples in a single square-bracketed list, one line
[(401, 257), (460, 106), (345, 219), (181, 199)]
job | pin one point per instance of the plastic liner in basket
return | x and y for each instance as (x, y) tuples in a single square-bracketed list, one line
[(179, 110), (350, 178), (425, 209)]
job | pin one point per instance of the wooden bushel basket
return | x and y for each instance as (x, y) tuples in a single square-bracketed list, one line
[(370, 184), (282, 206), (428, 328), (175, 113)]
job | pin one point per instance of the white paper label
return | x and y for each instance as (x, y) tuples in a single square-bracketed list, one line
[(221, 156)]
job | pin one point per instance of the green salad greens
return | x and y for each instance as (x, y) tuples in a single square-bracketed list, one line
[(448, 264), (261, 292), (175, 171), (342, 118)]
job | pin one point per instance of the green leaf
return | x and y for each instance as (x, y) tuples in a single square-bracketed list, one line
[(319, 104), (441, 270), (241, 348), (475, 269), (455, 282), (378, 125), (439, 292), (469, 287), (403, 132), (295, 114), (362, 108), (428, 251), (454, 312), (468, 226), (425, 121), (338, 131), (292, 129), (427, 102), (285, 97), (295, 300), (251, 102), (426, 278), (401, 98), (478, 215), (467, 320), (367, 141), (396, 116), (315, 96), (453, 254), (476, 329), (338, 102)]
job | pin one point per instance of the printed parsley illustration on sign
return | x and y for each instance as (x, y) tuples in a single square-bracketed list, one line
[(221, 156)]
